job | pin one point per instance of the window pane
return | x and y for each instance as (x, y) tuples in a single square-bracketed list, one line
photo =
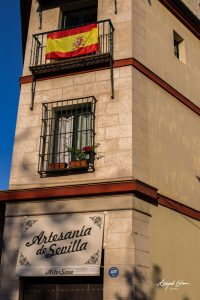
[(79, 17)]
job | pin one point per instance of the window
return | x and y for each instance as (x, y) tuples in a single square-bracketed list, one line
[(67, 127), (179, 47), (80, 17), (79, 13)]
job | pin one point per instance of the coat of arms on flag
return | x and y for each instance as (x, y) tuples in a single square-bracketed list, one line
[(78, 42)]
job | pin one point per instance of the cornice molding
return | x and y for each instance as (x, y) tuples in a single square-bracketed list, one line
[(178, 207), (136, 187), (184, 15), (94, 189), (140, 67), (165, 86)]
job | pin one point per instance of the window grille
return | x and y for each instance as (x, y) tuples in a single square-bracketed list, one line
[(67, 127)]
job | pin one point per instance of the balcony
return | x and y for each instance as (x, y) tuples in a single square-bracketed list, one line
[(41, 65)]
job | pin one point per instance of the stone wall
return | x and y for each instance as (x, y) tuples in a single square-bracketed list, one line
[(112, 127), (2, 220), (126, 241), (9, 283)]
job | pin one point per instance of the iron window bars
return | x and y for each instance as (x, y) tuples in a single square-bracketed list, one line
[(66, 124)]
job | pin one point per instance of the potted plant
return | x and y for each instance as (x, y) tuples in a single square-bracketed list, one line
[(90, 153), (83, 157), (78, 158), (57, 166)]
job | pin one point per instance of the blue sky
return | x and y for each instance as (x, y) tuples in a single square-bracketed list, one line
[(11, 66)]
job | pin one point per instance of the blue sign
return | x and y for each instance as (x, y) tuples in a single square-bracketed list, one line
[(113, 272)]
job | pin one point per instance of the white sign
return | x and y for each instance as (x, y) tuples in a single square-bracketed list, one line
[(61, 245)]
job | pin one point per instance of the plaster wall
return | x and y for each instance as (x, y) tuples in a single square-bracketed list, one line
[(177, 257), (153, 45), (165, 142)]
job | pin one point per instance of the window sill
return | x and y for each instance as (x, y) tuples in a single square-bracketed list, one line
[(74, 168)]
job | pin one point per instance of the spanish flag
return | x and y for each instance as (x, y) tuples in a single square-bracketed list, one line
[(72, 42)]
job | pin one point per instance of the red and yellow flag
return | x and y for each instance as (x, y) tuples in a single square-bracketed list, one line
[(72, 42)]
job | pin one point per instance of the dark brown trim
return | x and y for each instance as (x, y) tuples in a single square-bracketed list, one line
[(184, 15), (164, 85), (117, 64), (25, 79), (145, 190), (144, 70), (79, 191), (132, 186), (123, 62), (176, 206), (29, 78)]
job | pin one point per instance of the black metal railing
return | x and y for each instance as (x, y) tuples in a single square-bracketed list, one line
[(38, 60)]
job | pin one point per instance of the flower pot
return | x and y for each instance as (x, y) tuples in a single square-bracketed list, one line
[(57, 166), (78, 164)]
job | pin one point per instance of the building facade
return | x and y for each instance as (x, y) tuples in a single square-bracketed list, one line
[(104, 187)]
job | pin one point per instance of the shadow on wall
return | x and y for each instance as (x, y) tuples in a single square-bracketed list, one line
[(138, 285), (27, 166)]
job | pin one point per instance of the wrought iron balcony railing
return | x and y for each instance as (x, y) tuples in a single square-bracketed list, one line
[(40, 64)]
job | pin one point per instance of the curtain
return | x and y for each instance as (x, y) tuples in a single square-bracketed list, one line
[(75, 132), (84, 134), (63, 139)]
